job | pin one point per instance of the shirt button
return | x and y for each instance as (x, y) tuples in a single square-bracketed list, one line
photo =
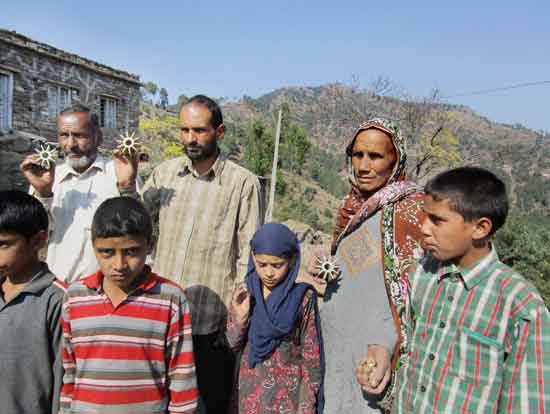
[(431, 357), (450, 298), (422, 388), (442, 325)]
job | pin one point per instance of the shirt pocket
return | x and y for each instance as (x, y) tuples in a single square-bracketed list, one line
[(477, 359)]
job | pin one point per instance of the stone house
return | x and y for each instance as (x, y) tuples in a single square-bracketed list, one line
[(37, 81)]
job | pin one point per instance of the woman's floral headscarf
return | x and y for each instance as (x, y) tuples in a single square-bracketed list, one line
[(397, 140), (355, 199)]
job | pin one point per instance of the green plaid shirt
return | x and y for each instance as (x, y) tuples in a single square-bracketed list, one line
[(480, 342)]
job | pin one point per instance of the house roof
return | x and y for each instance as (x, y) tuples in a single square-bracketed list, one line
[(14, 38)]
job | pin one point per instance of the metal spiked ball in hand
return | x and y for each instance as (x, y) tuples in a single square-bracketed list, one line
[(47, 155), (129, 144), (327, 268)]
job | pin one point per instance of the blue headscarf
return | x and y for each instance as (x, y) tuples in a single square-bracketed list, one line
[(273, 318)]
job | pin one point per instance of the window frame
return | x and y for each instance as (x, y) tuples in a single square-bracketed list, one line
[(9, 106), (105, 120), (70, 93)]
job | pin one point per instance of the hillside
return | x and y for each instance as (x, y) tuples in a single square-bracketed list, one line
[(326, 112), (330, 113)]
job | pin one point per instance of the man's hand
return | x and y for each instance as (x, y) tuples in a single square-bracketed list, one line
[(375, 380), (126, 168), (37, 176), (240, 304)]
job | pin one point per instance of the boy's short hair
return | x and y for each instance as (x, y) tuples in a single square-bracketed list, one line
[(22, 214), (473, 193), (121, 216)]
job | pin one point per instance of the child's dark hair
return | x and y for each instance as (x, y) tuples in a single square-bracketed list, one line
[(473, 193), (121, 216), (21, 213)]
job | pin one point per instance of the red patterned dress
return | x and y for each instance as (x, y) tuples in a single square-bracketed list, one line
[(288, 381)]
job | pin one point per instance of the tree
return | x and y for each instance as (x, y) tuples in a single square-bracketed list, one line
[(152, 89), (294, 143), (163, 98), (425, 122), (182, 100), (524, 244), (259, 147)]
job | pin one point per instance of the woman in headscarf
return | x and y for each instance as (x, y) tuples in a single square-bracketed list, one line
[(274, 321), (377, 231)]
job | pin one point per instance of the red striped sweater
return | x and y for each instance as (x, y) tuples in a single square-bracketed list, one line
[(133, 358)]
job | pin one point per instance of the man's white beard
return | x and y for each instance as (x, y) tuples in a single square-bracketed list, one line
[(82, 162)]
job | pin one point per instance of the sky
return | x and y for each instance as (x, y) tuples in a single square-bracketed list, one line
[(233, 48)]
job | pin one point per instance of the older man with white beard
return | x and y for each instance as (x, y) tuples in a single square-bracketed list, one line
[(72, 191)]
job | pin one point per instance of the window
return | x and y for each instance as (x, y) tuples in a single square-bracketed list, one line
[(5, 101), (59, 97), (107, 112)]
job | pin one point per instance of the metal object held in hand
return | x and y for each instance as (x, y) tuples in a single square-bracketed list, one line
[(47, 155), (129, 144), (327, 268)]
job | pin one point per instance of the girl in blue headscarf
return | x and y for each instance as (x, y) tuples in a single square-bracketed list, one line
[(273, 320)]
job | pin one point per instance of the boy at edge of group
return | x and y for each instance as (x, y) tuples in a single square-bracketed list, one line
[(480, 339), (127, 331), (30, 308)]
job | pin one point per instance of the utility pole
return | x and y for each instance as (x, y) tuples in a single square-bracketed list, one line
[(271, 202)]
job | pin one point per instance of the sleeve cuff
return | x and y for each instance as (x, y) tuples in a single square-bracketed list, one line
[(129, 191)]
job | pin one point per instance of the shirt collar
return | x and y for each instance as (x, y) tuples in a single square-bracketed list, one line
[(472, 275), (95, 281), (40, 281), (214, 172), (65, 170)]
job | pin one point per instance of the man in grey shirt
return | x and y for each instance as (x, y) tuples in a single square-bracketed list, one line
[(30, 307)]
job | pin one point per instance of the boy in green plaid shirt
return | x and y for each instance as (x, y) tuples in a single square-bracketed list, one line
[(480, 332)]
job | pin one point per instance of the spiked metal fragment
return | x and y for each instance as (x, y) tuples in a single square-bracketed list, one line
[(47, 154), (327, 268)]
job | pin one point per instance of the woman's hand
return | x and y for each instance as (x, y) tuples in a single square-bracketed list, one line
[(240, 305), (374, 371)]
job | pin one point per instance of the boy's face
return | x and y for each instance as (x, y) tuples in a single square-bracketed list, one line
[(17, 253), (446, 234), (271, 269), (121, 259)]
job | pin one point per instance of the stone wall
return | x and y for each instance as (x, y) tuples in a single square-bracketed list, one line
[(13, 149)]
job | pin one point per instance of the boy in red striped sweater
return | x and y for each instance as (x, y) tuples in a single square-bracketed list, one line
[(127, 331)]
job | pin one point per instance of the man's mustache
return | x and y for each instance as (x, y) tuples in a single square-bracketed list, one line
[(77, 153), (194, 148)]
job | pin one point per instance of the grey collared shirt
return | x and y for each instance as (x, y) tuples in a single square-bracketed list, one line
[(31, 367)]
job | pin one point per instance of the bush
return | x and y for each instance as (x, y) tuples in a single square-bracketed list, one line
[(524, 244)]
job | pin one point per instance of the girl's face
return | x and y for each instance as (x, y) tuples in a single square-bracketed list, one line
[(272, 270)]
